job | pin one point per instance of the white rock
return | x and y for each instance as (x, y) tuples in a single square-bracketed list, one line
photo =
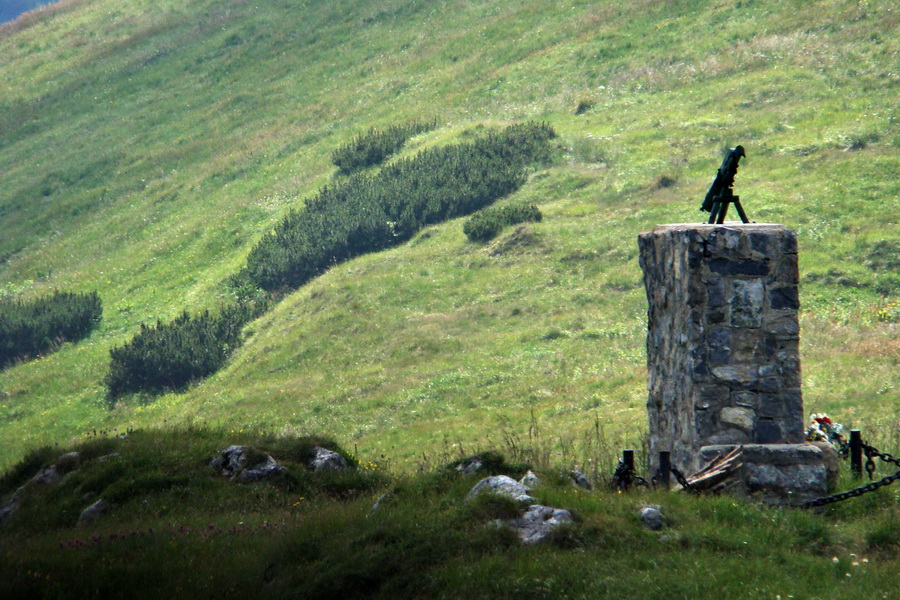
[(538, 522), (530, 480), (93, 512), (327, 460), (502, 485)]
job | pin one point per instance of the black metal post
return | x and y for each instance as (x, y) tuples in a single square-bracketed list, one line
[(628, 461), (856, 453), (665, 468)]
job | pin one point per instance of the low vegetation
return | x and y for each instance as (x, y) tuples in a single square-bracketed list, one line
[(30, 328), (341, 222), (375, 146), (484, 225), (371, 213), (169, 356)]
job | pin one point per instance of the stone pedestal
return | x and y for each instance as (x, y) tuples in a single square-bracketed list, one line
[(722, 344), (777, 473)]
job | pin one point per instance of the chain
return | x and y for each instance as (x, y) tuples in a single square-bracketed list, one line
[(870, 453), (852, 493), (624, 477)]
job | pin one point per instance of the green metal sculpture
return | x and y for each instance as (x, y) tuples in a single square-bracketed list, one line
[(720, 194)]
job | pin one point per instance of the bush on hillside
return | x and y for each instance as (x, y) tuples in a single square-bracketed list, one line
[(30, 328), (375, 146), (487, 223), (370, 213), (169, 356)]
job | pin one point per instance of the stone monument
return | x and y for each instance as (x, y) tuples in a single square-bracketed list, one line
[(723, 354)]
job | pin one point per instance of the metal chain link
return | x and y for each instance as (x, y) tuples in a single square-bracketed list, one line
[(624, 477), (871, 452)]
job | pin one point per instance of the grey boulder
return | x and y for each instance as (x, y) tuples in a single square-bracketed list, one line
[(93, 512), (245, 464), (538, 522), (327, 460), (652, 518), (502, 485)]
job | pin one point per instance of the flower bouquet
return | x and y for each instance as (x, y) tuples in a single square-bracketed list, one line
[(823, 429)]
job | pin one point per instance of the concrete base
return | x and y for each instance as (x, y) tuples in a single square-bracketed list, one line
[(776, 473)]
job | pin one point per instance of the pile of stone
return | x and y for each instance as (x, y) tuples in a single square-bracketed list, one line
[(538, 521), (244, 463)]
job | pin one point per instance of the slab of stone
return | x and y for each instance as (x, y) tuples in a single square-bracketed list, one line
[(777, 473), (739, 416)]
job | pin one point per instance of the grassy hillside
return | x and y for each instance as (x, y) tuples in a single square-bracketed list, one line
[(147, 146), (316, 535)]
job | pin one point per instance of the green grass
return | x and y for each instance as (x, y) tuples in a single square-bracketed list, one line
[(314, 535), (148, 146)]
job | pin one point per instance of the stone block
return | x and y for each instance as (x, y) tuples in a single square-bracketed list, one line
[(759, 242), (768, 384), (745, 399), (767, 431), (719, 344), (739, 375), (777, 473), (784, 297), (715, 292), (747, 346), (747, 267), (738, 416), (746, 304), (784, 324)]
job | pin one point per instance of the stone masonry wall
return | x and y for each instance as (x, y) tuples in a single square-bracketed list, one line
[(722, 344)]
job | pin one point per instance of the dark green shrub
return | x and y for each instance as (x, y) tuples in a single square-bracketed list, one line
[(31, 328), (487, 223), (370, 213), (169, 356), (375, 146)]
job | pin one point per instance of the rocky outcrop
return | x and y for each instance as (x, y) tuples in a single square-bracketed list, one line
[(93, 512), (47, 476), (504, 486), (246, 464), (530, 480), (327, 460), (538, 523)]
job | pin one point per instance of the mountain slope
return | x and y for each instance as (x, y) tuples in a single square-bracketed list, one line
[(147, 146)]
